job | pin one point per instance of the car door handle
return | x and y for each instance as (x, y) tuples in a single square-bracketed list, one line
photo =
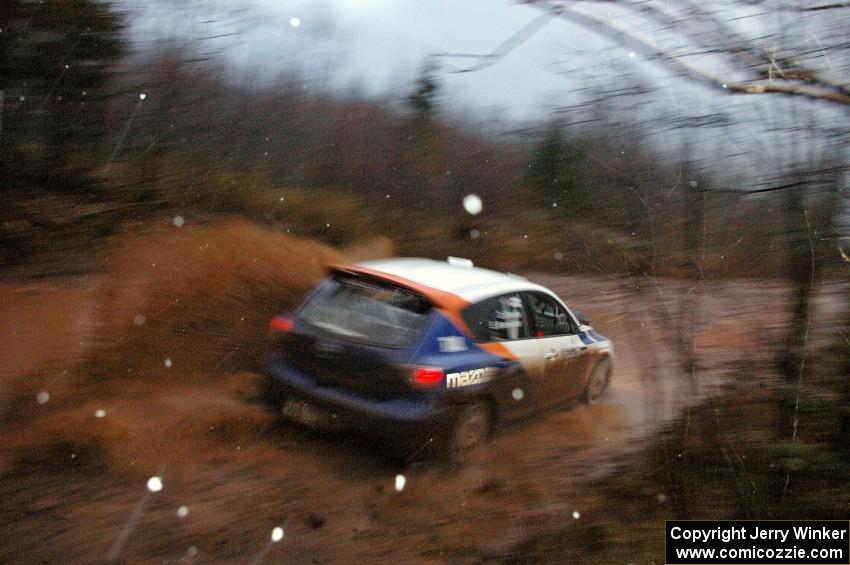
[(551, 354)]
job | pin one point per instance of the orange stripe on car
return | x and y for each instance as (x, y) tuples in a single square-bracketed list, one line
[(497, 349), (449, 304), (439, 298), (457, 320)]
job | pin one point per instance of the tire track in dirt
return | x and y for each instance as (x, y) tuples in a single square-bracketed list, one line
[(241, 471)]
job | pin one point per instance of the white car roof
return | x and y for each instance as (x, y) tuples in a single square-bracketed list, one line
[(470, 283)]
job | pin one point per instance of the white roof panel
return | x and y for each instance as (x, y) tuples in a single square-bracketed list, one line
[(470, 283)]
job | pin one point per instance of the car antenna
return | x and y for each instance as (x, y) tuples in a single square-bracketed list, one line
[(459, 261)]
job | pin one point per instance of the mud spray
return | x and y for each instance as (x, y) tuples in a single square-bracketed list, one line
[(179, 322)]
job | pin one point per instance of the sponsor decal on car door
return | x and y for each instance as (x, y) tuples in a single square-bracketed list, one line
[(500, 326), (563, 357), (510, 327), (562, 350)]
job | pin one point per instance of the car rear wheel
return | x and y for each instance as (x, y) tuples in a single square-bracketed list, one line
[(598, 381), (271, 394), (471, 430)]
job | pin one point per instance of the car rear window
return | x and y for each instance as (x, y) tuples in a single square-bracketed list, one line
[(367, 310)]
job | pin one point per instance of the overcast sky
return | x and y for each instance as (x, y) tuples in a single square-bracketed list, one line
[(378, 46)]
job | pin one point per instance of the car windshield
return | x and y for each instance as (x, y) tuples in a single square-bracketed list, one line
[(367, 311)]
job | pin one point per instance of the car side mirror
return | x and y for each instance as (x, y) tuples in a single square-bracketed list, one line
[(580, 317)]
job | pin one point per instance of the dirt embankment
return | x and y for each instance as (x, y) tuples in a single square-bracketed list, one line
[(142, 373)]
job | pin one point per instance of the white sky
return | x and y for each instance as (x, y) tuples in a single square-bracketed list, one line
[(378, 47)]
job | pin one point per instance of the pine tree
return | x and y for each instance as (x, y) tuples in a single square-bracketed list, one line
[(554, 171), (55, 59), (423, 99)]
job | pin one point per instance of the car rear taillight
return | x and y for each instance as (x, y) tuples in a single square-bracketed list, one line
[(280, 324), (426, 377)]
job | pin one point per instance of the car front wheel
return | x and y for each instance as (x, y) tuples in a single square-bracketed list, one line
[(598, 381)]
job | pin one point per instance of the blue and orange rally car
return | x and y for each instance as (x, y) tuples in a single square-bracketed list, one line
[(431, 353)]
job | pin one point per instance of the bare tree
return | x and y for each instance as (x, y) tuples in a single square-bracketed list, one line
[(755, 66)]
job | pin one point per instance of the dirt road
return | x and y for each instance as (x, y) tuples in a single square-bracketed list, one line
[(233, 472)]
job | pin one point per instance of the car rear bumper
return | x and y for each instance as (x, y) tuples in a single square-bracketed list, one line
[(403, 420)]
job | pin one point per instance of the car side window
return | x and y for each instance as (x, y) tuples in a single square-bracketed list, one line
[(548, 316), (497, 319)]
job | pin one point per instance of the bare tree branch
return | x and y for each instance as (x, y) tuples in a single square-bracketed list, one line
[(511, 43), (720, 38), (813, 88), (834, 6)]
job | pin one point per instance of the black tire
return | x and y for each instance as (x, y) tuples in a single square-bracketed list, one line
[(471, 430), (598, 381)]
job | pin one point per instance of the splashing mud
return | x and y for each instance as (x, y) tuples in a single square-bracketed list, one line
[(205, 293), (175, 395)]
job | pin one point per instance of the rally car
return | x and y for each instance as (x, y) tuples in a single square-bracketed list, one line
[(430, 352)]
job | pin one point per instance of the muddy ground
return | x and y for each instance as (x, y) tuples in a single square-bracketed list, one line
[(79, 444)]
